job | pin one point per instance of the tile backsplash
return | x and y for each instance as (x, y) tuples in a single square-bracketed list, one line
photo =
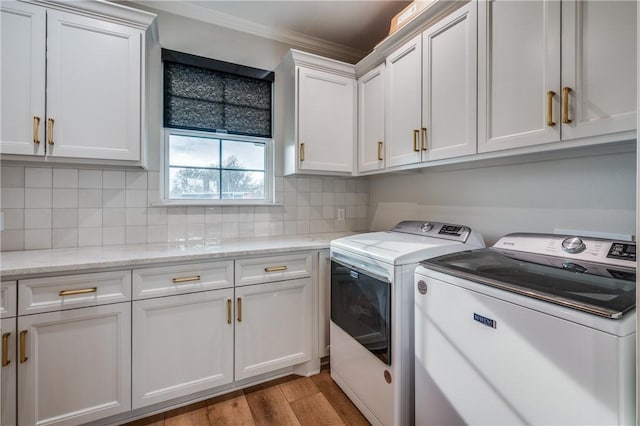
[(55, 207)]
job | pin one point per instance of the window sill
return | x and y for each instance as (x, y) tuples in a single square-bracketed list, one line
[(205, 203)]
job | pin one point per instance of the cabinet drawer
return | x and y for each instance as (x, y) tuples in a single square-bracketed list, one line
[(73, 291), (8, 299), (168, 280), (275, 268)]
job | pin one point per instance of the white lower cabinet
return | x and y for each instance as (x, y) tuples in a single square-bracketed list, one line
[(181, 345), (74, 365), (8, 373), (273, 326)]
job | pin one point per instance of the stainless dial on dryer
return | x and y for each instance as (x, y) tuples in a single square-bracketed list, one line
[(426, 227), (573, 245)]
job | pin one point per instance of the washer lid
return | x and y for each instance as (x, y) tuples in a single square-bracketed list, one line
[(603, 290), (396, 248)]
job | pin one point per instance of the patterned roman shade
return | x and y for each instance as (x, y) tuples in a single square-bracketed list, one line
[(215, 96)]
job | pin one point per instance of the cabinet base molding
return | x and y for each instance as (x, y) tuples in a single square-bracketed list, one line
[(304, 370)]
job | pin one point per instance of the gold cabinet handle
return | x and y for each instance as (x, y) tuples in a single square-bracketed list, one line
[(81, 291), (229, 311), (50, 123), (186, 279), (302, 151), (415, 140), (23, 347), (239, 309), (36, 128), (275, 268), (5, 349), (379, 151), (550, 95), (423, 142), (565, 104)]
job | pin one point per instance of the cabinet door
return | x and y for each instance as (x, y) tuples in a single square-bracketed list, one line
[(273, 326), (93, 87), (518, 64), (326, 121), (599, 66), (324, 302), (23, 35), (404, 100), (78, 365), (449, 84), (8, 372), (371, 120), (181, 345)]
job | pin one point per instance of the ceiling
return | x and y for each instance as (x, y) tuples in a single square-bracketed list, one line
[(354, 25)]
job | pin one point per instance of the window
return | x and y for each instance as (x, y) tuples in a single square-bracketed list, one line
[(217, 126)]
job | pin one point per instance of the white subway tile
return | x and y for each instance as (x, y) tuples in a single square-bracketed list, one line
[(12, 239), (65, 218), (12, 198), (136, 180), (13, 218), (136, 198), (327, 198), (302, 227), (230, 230), (90, 218), (38, 177), (153, 196), (213, 215), (315, 185), (289, 184), (90, 198), (303, 199), (113, 216), (153, 180), (195, 231), (276, 229), (339, 199), (246, 229), (113, 179), (352, 212), (90, 179), (328, 212), (362, 212), (12, 176), (315, 226), (261, 229), (315, 212), (302, 184), (113, 236), (195, 215), (246, 214), (339, 225), (136, 234), (327, 226), (37, 218), (213, 232), (315, 199), (350, 185), (304, 213), (37, 198), (113, 198), (135, 216), (290, 227), (65, 198), (229, 215), (65, 178), (37, 239), (339, 185), (88, 237), (157, 216), (328, 184), (157, 234), (65, 238)]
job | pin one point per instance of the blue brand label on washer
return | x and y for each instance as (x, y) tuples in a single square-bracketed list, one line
[(484, 320), (354, 274)]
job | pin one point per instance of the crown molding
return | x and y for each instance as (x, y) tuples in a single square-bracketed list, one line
[(292, 38)]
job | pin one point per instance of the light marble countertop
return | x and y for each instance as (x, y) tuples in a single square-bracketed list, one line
[(20, 264)]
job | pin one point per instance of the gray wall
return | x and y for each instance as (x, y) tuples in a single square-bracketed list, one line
[(594, 194)]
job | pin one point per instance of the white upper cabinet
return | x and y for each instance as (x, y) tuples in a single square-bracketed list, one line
[(599, 66), (93, 88), (89, 101), (23, 31), (551, 71), (315, 107), (404, 101), (449, 86), (519, 64), (371, 120), (431, 103)]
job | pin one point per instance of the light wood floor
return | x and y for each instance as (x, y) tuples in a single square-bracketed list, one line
[(292, 400)]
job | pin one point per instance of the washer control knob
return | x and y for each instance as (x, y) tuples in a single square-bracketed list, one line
[(573, 245), (426, 227)]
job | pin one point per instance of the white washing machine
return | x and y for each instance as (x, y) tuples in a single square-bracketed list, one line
[(372, 312), (538, 330)]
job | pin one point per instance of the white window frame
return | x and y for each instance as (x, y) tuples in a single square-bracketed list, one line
[(268, 171)]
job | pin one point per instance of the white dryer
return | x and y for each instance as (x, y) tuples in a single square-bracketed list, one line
[(372, 312), (537, 330)]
